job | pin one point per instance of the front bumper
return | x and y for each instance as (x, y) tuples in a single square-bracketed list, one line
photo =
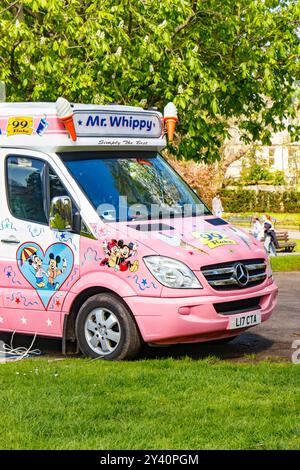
[(192, 319)]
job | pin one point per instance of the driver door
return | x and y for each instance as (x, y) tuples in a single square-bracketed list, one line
[(37, 264)]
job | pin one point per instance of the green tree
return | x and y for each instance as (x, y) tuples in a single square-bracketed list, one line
[(254, 172), (278, 178), (216, 59)]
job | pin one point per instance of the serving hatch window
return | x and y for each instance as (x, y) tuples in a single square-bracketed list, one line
[(124, 186)]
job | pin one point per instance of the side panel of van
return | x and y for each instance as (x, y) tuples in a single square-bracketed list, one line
[(38, 266)]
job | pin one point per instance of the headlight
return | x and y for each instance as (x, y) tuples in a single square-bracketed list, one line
[(269, 269), (172, 273)]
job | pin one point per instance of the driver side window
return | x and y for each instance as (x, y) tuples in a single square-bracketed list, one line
[(56, 188), (31, 182)]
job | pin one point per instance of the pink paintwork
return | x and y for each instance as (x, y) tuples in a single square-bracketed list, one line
[(163, 315), (168, 315), (186, 320)]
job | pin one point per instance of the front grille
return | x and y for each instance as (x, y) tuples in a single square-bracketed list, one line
[(222, 276), (238, 306)]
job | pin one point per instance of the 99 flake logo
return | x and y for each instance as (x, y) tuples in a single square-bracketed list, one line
[(20, 125)]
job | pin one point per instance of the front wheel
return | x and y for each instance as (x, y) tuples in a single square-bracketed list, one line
[(105, 329)]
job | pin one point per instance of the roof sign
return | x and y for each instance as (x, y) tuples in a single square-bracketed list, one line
[(104, 123)]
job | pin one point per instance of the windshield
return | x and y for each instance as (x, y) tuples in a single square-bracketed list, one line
[(125, 186)]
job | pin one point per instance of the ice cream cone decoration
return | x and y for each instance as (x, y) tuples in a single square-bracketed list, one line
[(170, 124), (170, 118), (65, 115)]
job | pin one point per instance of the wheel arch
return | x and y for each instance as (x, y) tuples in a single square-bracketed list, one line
[(69, 334)]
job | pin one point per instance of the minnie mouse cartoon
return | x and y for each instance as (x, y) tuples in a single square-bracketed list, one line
[(111, 249), (37, 263)]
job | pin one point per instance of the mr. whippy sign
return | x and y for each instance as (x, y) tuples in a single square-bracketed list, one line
[(106, 123)]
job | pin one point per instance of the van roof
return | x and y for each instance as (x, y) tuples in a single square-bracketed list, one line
[(36, 125), (52, 106)]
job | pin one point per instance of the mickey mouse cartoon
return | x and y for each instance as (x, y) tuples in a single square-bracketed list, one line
[(54, 271), (117, 254), (126, 251)]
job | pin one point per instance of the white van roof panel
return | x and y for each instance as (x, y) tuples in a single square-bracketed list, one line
[(36, 126)]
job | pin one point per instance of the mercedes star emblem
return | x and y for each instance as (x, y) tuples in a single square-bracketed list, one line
[(241, 274)]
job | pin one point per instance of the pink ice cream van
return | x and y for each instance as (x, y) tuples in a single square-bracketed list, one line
[(103, 244)]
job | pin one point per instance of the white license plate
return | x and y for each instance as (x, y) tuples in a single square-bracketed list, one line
[(244, 321)]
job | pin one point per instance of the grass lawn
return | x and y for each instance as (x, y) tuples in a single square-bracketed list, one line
[(286, 263), (153, 404), (284, 221)]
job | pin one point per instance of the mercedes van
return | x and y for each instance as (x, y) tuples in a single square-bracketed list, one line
[(104, 245)]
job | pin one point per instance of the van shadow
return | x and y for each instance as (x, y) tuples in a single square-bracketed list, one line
[(244, 345), (47, 346)]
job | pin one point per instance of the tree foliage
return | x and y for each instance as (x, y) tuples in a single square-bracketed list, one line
[(246, 200), (216, 59), (260, 174)]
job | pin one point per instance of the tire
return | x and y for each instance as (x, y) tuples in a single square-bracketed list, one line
[(105, 329)]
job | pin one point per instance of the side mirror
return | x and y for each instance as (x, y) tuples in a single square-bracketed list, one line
[(61, 214)]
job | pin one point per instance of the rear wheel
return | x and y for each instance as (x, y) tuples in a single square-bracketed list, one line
[(105, 329)]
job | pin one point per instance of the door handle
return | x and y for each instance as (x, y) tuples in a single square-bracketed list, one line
[(11, 241)]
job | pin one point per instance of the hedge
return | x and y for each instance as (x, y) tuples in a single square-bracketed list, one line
[(243, 200)]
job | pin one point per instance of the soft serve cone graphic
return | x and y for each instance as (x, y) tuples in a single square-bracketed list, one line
[(170, 118), (65, 114)]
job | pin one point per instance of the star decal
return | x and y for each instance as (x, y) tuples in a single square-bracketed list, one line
[(24, 320), (8, 274), (1, 319), (80, 122), (103, 232), (57, 303), (144, 282), (49, 322), (18, 301), (63, 236)]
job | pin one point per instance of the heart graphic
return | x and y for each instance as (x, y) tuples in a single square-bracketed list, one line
[(46, 271)]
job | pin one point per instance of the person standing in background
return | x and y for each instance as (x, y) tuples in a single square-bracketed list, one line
[(270, 238), (257, 229), (217, 206), (267, 218)]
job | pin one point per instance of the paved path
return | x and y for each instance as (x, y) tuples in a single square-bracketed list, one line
[(272, 339), (295, 235)]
